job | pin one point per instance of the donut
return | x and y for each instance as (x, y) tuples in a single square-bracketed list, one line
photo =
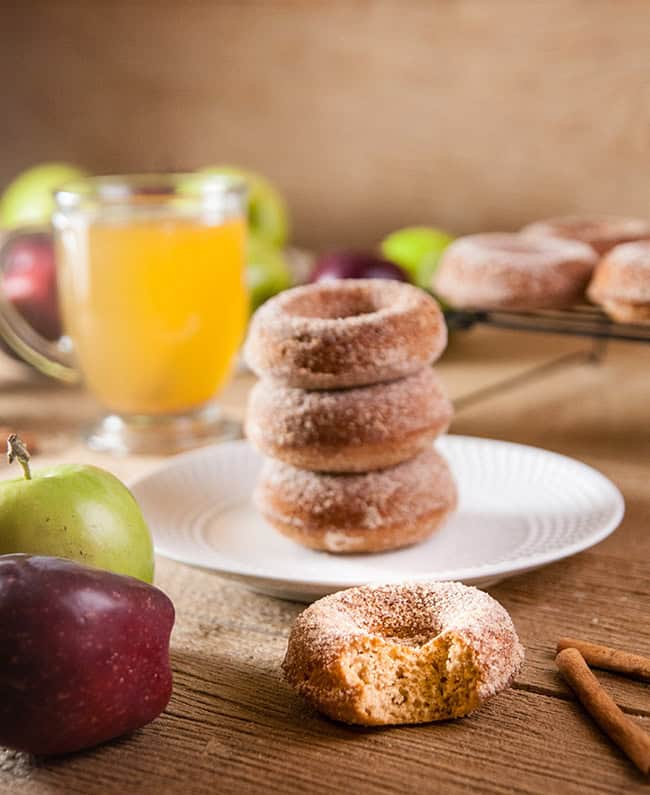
[(336, 334), (369, 512), (407, 653), (602, 233), (348, 430), (510, 271), (621, 283)]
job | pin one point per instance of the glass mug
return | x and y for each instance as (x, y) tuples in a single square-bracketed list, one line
[(151, 278)]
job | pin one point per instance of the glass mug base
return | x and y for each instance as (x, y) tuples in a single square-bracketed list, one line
[(161, 435)]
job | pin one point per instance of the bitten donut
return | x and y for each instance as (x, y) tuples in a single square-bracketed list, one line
[(348, 430), (509, 271), (621, 283), (370, 512), (602, 233), (346, 333), (408, 653)]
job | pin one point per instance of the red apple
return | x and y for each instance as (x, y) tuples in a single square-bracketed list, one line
[(355, 265), (84, 654), (29, 281)]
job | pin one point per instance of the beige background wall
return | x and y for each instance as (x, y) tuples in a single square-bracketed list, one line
[(370, 114)]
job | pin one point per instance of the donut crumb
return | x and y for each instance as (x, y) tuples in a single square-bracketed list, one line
[(409, 683)]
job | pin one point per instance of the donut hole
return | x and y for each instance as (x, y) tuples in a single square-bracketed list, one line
[(333, 304), (406, 683), (411, 625)]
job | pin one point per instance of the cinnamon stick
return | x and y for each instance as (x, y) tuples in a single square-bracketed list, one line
[(609, 659), (623, 731)]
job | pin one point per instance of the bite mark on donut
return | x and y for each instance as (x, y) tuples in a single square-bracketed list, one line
[(412, 680)]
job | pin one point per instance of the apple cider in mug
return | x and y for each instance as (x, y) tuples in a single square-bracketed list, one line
[(156, 308)]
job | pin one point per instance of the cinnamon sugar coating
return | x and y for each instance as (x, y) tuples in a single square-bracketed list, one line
[(369, 512), (347, 333), (602, 233), (404, 653), (510, 271), (348, 430), (621, 283)]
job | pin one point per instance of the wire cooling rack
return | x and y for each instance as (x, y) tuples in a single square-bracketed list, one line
[(578, 321)]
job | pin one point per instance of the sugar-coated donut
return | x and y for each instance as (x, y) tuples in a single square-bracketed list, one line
[(621, 283), (408, 653), (602, 233), (371, 512), (348, 430), (336, 334), (510, 271)]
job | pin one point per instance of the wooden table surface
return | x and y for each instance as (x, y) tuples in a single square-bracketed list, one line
[(234, 726)]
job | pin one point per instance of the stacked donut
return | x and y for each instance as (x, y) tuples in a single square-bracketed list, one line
[(346, 409)]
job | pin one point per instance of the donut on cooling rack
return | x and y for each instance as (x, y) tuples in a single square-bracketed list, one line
[(348, 430), (408, 653), (621, 283), (370, 512), (510, 271), (602, 233), (339, 334)]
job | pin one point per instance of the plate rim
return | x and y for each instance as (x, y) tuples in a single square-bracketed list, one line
[(307, 583)]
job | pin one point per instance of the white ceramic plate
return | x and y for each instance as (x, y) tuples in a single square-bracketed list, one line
[(520, 508)]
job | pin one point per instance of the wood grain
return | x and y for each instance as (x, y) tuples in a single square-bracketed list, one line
[(369, 115)]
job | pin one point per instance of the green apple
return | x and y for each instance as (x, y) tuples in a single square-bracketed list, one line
[(268, 217), (267, 271), (74, 511), (417, 249), (28, 200)]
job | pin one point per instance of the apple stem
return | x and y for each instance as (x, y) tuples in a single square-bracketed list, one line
[(17, 451)]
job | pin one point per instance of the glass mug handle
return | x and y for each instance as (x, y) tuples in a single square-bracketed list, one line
[(46, 356)]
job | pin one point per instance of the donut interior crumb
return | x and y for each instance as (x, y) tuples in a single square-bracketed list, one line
[(413, 680)]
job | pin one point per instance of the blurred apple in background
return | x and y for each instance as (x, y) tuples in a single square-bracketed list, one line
[(355, 265), (267, 270), (28, 200), (418, 250), (268, 218), (29, 281), (270, 265)]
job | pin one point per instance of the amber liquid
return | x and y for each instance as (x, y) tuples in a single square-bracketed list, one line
[(156, 309)]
